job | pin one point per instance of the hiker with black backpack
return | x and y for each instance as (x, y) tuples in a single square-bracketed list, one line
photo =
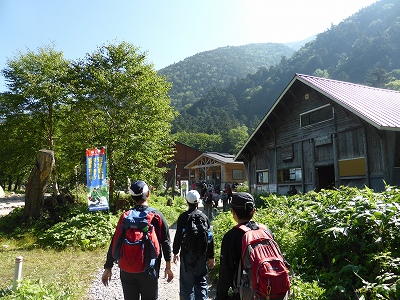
[(195, 245), (251, 263), (208, 201), (140, 240)]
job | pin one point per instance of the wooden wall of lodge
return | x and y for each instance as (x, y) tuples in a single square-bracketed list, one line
[(344, 137), (224, 172)]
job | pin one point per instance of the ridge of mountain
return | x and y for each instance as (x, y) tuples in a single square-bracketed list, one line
[(194, 76), (297, 45)]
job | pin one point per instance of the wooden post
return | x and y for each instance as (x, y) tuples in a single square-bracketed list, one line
[(17, 272), (37, 184)]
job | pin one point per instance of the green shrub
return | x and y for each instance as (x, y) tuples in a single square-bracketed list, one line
[(85, 231), (36, 290), (341, 243), (10, 222), (170, 212), (243, 187)]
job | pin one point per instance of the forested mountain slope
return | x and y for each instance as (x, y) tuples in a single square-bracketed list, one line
[(363, 48), (196, 75)]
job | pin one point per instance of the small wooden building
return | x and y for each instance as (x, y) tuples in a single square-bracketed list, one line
[(323, 133), (217, 169), (176, 168)]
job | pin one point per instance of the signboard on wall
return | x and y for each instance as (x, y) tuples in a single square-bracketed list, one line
[(96, 178), (352, 167), (287, 152)]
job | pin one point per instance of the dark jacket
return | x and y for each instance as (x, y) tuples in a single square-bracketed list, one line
[(162, 235), (231, 252), (230, 258), (181, 224)]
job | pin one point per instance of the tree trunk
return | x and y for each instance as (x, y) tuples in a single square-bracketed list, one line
[(17, 184), (37, 183), (9, 184)]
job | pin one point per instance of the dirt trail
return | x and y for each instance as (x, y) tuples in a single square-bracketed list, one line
[(8, 203)]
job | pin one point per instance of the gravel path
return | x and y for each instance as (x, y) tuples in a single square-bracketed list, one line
[(166, 291), (8, 203)]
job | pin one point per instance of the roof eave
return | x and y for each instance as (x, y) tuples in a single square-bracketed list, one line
[(266, 116)]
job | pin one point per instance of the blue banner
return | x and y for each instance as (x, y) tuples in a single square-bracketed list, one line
[(96, 175)]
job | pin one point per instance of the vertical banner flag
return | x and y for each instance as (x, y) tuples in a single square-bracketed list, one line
[(96, 174)]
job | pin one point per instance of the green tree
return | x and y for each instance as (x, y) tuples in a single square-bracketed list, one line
[(37, 88), (123, 105), (393, 85), (200, 140), (321, 73), (16, 158), (235, 138), (377, 77)]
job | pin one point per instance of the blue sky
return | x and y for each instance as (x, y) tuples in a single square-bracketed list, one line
[(168, 30)]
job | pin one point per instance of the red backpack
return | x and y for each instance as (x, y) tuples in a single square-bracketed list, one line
[(135, 244), (262, 273)]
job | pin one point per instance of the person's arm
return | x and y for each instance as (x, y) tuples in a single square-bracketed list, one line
[(210, 251), (106, 277), (229, 260), (168, 272), (165, 240), (178, 239), (178, 235), (165, 243), (210, 247), (226, 273)]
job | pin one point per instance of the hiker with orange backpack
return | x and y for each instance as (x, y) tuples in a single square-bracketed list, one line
[(140, 240), (251, 263)]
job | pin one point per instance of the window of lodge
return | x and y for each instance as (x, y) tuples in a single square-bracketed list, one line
[(237, 174), (289, 175), (262, 176), (317, 115)]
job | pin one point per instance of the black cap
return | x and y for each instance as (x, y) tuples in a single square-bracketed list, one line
[(242, 201), (139, 188)]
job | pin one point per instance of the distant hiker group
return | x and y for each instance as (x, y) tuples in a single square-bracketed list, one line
[(251, 263)]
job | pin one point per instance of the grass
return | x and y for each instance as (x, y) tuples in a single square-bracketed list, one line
[(67, 268)]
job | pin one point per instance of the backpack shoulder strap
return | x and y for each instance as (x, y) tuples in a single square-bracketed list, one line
[(242, 227), (149, 209), (248, 226), (195, 211)]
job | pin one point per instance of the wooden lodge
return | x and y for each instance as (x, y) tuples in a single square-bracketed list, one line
[(322, 133)]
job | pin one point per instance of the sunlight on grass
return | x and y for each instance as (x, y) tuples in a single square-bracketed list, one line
[(73, 268)]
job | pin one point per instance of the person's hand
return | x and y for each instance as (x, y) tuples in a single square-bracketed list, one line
[(168, 274), (176, 258), (106, 277), (211, 263)]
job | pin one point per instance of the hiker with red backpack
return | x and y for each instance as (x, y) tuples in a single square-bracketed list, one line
[(195, 245), (140, 240), (251, 263)]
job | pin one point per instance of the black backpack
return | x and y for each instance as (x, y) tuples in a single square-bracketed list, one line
[(195, 235)]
